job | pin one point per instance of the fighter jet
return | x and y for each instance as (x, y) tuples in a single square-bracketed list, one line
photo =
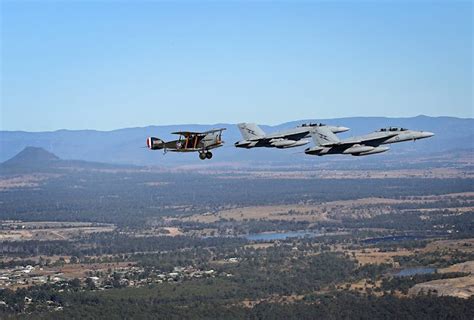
[(328, 143), (255, 137), (190, 141)]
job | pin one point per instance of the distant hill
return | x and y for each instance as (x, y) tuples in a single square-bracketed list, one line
[(127, 146), (35, 159), (32, 156)]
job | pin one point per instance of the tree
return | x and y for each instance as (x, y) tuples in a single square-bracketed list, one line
[(90, 284)]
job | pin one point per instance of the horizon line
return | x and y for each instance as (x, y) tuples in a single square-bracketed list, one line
[(229, 123)]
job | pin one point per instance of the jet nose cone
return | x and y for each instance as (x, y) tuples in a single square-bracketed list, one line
[(427, 134), (343, 129)]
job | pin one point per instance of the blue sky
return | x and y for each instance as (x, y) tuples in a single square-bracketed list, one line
[(107, 65)]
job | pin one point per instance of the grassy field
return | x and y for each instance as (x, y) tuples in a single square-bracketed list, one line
[(333, 210)]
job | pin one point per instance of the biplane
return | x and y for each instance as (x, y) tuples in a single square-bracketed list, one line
[(189, 141)]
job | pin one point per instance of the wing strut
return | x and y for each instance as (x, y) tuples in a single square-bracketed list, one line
[(195, 141)]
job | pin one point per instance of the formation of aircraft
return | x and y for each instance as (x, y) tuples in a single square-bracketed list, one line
[(324, 136)]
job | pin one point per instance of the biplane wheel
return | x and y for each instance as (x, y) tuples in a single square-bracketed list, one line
[(209, 155), (202, 156)]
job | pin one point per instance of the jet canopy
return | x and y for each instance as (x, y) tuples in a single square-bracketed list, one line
[(312, 125), (392, 129)]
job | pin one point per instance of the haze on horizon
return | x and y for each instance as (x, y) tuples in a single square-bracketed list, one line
[(109, 65)]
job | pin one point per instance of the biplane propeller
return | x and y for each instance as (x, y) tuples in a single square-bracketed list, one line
[(189, 141)]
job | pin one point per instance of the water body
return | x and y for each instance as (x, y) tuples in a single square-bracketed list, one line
[(268, 236), (415, 271)]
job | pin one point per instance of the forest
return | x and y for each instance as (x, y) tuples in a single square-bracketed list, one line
[(131, 198)]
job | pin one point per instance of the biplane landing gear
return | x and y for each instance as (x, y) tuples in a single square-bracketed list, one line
[(205, 155)]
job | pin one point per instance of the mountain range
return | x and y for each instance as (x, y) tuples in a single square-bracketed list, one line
[(127, 146)]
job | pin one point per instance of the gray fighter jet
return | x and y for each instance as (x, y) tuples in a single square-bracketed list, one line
[(328, 143), (255, 137)]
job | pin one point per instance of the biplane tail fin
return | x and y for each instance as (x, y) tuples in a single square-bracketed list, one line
[(251, 131)]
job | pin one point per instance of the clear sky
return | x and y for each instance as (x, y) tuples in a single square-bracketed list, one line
[(107, 65)]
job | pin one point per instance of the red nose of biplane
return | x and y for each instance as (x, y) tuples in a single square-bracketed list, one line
[(148, 142)]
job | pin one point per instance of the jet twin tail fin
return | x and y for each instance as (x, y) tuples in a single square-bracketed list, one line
[(323, 136), (251, 131)]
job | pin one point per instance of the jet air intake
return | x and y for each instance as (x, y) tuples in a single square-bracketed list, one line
[(358, 149), (245, 144), (284, 143), (318, 151), (373, 151)]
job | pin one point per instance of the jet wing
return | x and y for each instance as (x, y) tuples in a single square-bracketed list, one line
[(367, 139), (286, 135), (326, 138)]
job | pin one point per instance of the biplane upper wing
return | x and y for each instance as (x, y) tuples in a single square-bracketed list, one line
[(192, 133), (214, 130)]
